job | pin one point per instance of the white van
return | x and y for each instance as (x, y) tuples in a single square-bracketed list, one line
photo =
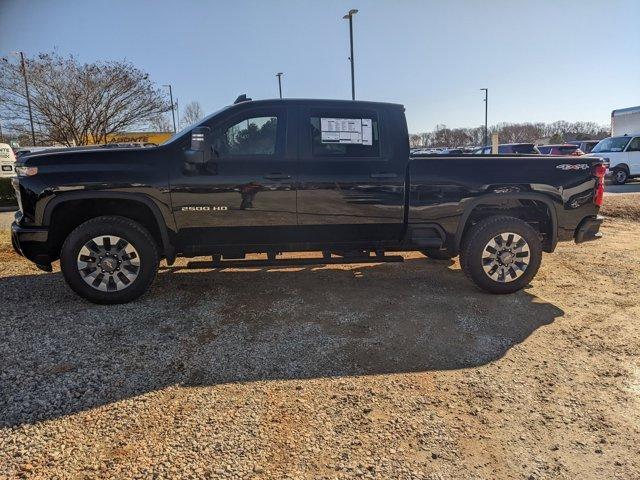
[(7, 161), (623, 153)]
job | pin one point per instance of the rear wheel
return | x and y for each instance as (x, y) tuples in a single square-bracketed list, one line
[(501, 254), (620, 176), (109, 260), (437, 254)]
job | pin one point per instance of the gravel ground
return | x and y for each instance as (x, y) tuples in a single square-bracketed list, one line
[(373, 371)]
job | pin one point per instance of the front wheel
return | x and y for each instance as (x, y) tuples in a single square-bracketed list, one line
[(501, 254), (109, 260)]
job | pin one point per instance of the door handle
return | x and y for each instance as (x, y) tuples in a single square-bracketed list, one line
[(384, 175), (277, 176)]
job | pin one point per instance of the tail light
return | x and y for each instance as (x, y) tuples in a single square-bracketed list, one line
[(599, 172)]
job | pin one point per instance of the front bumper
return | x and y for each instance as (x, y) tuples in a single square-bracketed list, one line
[(589, 229), (31, 243)]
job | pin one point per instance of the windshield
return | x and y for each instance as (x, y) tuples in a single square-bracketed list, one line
[(179, 134), (611, 144)]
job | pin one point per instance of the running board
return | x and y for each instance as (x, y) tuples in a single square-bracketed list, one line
[(289, 262)]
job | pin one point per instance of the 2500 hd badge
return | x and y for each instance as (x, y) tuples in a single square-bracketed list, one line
[(204, 208)]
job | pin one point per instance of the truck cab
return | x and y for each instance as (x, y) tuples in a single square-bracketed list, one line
[(302, 170)]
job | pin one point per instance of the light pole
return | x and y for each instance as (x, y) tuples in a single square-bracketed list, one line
[(173, 114), (279, 75), (26, 88), (349, 16), (486, 110)]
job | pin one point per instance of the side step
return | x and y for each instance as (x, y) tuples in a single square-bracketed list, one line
[(288, 262)]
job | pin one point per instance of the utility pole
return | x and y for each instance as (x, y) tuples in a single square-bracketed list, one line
[(26, 88), (486, 110), (279, 75), (349, 16), (173, 113), (178, 112)]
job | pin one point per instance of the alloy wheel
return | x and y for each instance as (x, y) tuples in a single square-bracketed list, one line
[(108, 263), (505, 257)]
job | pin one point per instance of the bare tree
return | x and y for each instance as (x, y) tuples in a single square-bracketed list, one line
[(160, 123), (560, 131), (76, 103), (192, 114)]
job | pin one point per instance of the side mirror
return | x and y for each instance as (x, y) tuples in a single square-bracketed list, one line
[(200, 149)]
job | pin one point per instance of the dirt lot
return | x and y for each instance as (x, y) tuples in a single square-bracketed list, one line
[(376, 371)]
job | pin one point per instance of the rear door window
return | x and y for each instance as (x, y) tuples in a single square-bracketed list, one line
[(344, 134)]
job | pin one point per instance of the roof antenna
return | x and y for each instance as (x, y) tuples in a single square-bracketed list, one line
[(242, 98)]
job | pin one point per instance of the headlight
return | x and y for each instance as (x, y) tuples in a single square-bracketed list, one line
[(26, 171)]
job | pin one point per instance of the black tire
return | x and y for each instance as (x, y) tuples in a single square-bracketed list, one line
[(437, 254), (619, 176), (134, 234), (476, 244)]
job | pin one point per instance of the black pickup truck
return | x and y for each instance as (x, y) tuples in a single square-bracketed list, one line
[(275, 176)]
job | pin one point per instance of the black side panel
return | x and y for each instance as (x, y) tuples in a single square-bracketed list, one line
[(445, 190)]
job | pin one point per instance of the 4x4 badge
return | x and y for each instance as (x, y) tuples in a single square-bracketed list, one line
[(577, 166)]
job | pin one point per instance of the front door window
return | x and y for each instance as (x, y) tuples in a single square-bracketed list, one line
[(252, 136)]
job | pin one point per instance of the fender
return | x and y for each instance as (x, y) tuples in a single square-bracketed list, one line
[(163, 224), (622, 166), (496, 199)]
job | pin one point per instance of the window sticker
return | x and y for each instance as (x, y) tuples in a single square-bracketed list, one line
[(358, 131)]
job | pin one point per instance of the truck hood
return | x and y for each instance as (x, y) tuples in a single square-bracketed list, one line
[(88, 154)]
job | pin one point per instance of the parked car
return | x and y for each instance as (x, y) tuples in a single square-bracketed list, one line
[(564, 149), (623, 155), (7, 161), (585, 145), (526, 148), (451, 151), (287, 175), (440, 151)]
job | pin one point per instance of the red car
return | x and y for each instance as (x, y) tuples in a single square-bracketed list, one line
[(564, 149)]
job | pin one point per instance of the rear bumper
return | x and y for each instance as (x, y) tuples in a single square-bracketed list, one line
[(589, 229), (31, 243)]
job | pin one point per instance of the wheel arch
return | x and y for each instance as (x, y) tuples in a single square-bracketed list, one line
[(622, 166), (508, 204), (139, 208)]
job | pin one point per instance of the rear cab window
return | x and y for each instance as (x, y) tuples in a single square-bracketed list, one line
[(567, 149), (524, 149)]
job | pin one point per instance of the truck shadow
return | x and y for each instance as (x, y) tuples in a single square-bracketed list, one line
[(61, 355)]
